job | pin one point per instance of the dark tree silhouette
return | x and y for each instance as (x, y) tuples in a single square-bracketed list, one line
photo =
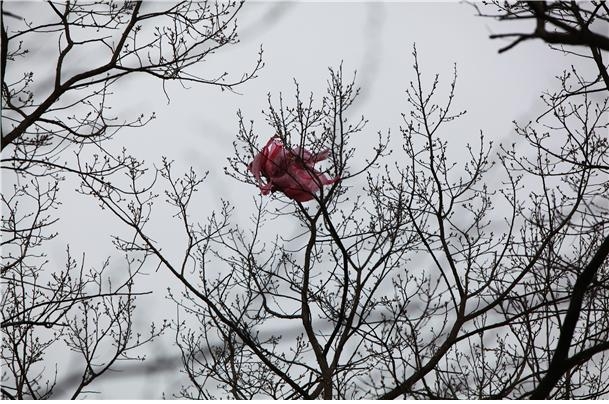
[(419, 273), (567, 26), (431, 282), (570, 26), (57, 122)]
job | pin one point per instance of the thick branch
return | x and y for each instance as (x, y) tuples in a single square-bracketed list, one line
[(558, 366), (61, 89)]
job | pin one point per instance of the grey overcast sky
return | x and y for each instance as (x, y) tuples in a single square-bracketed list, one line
[(301, 40)]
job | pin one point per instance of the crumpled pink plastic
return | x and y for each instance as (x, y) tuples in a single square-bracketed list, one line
[(290, 171)]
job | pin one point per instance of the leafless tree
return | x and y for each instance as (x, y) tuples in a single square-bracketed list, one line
[(57, 122), (481, 274), (574, 28), (440, 279), (568, 27)]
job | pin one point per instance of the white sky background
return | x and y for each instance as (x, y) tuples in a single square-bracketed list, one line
[(301, 40)]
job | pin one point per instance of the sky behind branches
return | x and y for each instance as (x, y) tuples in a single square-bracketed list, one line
[(300, 41)]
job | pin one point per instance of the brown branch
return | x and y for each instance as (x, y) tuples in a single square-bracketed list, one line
[(558, 365), (62, 88)]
